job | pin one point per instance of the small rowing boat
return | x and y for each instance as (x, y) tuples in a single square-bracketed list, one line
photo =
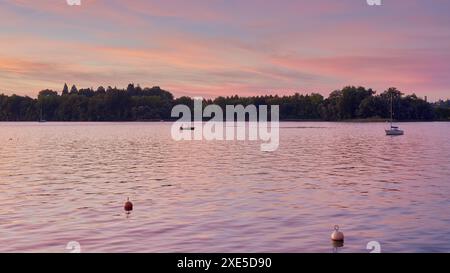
[(187, 128)]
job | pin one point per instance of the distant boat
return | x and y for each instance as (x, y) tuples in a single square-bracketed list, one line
[(394, 130), (187, 128)]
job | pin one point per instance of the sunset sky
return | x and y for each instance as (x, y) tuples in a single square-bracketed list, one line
[(210, 48)]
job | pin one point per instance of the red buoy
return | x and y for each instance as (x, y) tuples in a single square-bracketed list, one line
[(128, 205)]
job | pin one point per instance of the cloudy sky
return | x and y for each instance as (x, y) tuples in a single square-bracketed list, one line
[(225, 47)]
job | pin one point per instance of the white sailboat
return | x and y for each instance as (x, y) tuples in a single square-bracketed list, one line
[(394, 130)]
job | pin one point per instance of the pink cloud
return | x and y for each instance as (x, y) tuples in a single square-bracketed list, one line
[(216, 47)]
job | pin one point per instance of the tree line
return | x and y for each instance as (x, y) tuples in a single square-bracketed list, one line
[(148, 104)]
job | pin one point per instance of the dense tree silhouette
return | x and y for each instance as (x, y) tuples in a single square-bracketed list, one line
[(146, 104), (73, 90), (65, 90)]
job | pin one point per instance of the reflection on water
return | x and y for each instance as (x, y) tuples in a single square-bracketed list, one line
[(62, 182)]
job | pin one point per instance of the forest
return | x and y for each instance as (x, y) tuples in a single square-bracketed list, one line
[(154, 104)]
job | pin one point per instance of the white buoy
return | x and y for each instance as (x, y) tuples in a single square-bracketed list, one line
[(337, 236)]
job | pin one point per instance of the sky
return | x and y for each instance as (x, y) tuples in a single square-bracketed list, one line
[(224, 47)]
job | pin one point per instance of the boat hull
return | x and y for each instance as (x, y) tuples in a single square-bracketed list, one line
[(395, 132)]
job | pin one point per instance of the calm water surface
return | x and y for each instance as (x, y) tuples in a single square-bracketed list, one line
[(62, 182)]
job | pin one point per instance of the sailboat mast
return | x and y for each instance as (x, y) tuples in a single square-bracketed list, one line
[(392, 109), (41, 114)]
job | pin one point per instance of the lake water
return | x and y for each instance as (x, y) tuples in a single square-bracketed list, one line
[(62, 182)]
